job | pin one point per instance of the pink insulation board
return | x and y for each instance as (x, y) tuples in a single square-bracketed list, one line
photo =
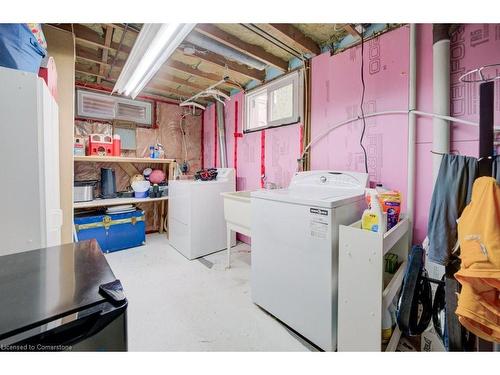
[(336, 97), (282, 149), (472, 46), (249, 162), (336, 93)]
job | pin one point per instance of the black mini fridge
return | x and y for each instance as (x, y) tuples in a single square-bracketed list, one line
[(61, 298)]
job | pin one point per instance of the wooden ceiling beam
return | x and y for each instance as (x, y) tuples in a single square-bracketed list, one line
[(108, 38), (252, 50), (121, 27), (159, 87), (177, 65), (88, 36), (163, 75), (351, 29), (220, 61), (88, 54), (165, 90), (94, 71), (289, 31)]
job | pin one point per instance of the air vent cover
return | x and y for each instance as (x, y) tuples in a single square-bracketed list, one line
[(100, 106)]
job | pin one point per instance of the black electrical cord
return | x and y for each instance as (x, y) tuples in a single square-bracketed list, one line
[(362, 102)]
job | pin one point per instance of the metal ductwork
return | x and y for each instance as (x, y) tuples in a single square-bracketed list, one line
[(230, 53), (221, 133)]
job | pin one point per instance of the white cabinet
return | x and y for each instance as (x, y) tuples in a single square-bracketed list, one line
[(363, 292), (29, 155)]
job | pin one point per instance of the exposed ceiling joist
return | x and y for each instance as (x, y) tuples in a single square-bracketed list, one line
[(88, 36), (91, 55), (159, 87), (290, 32), (351, 29), (213, 58), (198, 73), (121, 26), (108, 38), (168, 91), (162, 75), (229, 40), (93, 71), (150, 95)]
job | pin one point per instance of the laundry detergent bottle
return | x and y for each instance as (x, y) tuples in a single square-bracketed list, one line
[(373, 217)]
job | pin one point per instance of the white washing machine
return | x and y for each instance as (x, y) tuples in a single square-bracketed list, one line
[(196, 214), (295, 249)]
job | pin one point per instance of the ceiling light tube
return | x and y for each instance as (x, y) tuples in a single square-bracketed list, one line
[(154, 45)]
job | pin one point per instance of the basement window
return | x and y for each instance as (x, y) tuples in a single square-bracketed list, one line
[(274, 104)]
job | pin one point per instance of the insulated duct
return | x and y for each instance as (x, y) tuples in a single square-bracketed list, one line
[(230, 53), (440, 94), (221, 133)]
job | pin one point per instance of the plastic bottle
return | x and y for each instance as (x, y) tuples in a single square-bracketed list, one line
[(152, 152), (386, 326), (380, 188), (117, 145), (374, 218)]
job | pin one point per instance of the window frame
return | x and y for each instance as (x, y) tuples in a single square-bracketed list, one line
[(296, 78)]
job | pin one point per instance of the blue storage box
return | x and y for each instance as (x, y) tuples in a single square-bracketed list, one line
[(113, 232), (19, 48)]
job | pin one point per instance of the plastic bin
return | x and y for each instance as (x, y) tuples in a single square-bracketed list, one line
[(19, 48)]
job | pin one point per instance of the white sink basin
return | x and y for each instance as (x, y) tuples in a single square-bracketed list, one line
[(237, 211)]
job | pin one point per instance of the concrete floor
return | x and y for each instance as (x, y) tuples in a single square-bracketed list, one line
[(181, 305)]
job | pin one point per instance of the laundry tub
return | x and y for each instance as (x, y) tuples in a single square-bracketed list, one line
[(237, 213)]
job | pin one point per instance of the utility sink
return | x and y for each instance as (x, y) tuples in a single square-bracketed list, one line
[(237, 211)]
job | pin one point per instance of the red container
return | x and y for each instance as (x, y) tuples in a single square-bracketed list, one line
[(117, 145), (100, 144)]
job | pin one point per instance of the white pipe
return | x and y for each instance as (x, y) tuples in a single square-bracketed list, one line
[(202, 92), (191, 104), (440, 101), (412, 125), (385, 113)]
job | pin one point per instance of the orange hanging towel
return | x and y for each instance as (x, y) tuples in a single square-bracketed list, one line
[(478, 307)]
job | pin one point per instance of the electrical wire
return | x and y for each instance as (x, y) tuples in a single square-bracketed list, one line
[(362, 101)]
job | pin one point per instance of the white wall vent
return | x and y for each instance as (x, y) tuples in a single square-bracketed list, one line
[(101, 106)]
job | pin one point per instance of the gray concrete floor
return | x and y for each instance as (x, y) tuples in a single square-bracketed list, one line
[(181, 305)]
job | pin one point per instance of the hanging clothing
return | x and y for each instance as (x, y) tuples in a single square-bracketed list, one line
[(478, 307), (452, 193), (495, 169)]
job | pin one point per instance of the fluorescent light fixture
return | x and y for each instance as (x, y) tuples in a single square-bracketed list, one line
[(154, 45)]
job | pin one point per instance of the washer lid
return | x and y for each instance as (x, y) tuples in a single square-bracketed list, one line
[(319, 188)]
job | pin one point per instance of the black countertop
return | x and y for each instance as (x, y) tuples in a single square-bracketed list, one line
[(42, 285)]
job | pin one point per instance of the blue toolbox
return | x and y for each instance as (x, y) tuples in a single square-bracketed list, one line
[(113, 232)]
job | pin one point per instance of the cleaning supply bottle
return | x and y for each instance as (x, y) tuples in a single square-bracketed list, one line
[(380, 188), (386, 326), (374, 218)]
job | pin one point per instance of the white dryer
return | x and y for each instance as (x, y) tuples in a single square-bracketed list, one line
[(196, 221), (295, 249)]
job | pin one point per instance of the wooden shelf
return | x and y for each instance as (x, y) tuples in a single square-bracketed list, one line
[(119, 159), (116, 201)]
